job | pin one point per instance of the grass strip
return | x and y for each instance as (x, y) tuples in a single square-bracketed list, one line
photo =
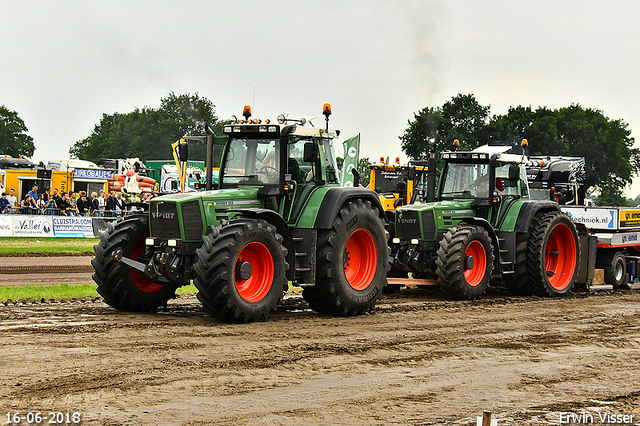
[(60, 292), (60, 246)]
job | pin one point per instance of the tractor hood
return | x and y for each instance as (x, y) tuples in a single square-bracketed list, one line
[(424, 219), (187, 216)]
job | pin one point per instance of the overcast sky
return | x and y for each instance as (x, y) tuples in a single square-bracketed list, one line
[(65, 63)]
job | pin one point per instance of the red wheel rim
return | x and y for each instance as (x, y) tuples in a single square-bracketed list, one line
[(142, 282), (255, 287), (361, 259), (475, 274), (560, 256)]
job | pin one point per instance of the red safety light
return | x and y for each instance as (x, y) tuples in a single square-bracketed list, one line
[(525, 143), (397, 160), (326, 110), (456, 143)]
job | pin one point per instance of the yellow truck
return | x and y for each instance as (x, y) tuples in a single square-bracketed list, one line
[(398, 184)]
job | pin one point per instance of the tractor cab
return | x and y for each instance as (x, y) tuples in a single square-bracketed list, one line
[(282, 161), (486, 179)]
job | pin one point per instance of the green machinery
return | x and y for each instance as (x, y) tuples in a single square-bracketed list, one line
[(277, 216), (479, 223)]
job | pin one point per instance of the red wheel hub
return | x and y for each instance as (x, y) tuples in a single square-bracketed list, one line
[(475, 263), (361, 259), (142, 282), (254, 272), (560, 256)]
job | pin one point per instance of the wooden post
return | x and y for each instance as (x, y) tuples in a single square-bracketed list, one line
[(486, 418)]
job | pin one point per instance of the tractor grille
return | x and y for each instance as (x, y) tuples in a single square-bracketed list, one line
[(407, 226), (164, 220), (428, 225), (192, 220)]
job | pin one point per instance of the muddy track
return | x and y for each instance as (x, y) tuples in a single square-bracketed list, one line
[(418, 359)]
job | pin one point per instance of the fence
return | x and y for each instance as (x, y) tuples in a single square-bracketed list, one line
[(43, 226), (58, 212)]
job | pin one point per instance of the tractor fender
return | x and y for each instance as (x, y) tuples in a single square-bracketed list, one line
[(278, 221), (529, 210), (335, 198)]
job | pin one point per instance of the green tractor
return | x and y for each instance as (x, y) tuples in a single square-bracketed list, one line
[(479, 223), (277, 216)]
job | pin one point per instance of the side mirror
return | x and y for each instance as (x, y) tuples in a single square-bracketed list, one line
[(514, 173), (412, 173), (183, 151), (310, 152)]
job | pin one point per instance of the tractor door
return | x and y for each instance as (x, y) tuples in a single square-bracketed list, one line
[(311, 165), (305, 176)]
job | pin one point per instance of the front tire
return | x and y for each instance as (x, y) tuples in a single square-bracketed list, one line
[(352, 262), (465, 262), (553, 254), (240, 271), (119, 285)]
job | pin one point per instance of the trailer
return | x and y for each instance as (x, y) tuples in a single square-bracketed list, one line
[(616, 230)]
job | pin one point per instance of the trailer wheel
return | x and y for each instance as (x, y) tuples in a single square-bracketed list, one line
[(240, 270), (518, 282), (352, 262), (553, 254), (615, 273), (465, 262), (120, 286)]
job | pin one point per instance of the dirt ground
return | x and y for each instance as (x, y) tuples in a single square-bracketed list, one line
[(417, 360)]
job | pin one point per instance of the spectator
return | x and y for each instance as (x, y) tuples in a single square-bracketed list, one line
[(41, 203), (84, 205), (146, 196), (47, 194), (101, 200), (13, 201), (64, 204), (95, 204), (73, 207), (29, 204), (34, 192), (50, 206), (110, 204), (126, 198), (5, 206), (120, 201), (56, 197)]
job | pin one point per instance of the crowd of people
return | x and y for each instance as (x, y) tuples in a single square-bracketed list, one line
[(53, 202)]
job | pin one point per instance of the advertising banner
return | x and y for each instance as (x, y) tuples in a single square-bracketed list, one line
[(5, 226), (92, 173), (72, 226), (629, 218), (32, 226), (601, 218)]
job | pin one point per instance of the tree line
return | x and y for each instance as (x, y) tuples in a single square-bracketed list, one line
[(146, 133), (606, 144)]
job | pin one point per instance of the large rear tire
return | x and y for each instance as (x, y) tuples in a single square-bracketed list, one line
[(240, 271), (352, 262), (120, 286), (553, 254), (465, 262)]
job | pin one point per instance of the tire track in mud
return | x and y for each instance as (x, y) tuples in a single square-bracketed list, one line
[(416, 357)]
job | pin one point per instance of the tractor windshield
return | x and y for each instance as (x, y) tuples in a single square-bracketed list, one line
[(388, 180), (466, 180), (252, 162)]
